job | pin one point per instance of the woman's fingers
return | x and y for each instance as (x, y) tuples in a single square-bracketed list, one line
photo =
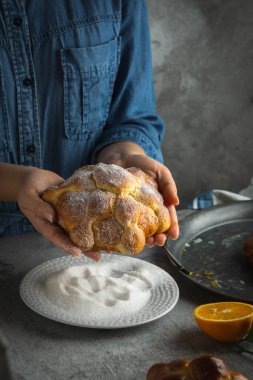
[(160, 173), (167, 186), (58, 237), (42, 215), (173, 231), (95, 256), (157, 239), (150, 241)]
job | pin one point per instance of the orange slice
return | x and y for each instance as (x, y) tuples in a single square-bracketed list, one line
[(225, 321)]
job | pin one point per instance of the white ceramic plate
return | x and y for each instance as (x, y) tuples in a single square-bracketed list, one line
[(164, 293)]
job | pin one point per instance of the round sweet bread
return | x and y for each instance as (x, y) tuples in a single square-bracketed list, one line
[(106, 207), (209, 367)]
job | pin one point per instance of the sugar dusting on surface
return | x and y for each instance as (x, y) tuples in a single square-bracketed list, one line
[(149, 194), (76, 202), (84, 178), (108, 201), (109, 231), (100, 290), (113, 175)]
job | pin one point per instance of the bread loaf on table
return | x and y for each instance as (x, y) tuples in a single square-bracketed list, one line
[(106, 207), (206, 367)]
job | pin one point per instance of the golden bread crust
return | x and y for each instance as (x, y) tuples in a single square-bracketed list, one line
[(110, 208)]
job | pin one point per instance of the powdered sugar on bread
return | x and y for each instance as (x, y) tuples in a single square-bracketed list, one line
[(110, 208)]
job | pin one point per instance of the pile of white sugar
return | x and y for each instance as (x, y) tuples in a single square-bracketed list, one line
[(100, 290)]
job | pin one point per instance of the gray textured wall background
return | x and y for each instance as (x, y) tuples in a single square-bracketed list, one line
[(203, 73)]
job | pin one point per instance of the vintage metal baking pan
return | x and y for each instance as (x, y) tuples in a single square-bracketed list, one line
[(209, 250)]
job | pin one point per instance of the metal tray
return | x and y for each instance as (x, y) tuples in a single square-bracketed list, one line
[(209, 249)]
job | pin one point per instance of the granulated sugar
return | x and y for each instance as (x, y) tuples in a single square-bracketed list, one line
[(100, 290)]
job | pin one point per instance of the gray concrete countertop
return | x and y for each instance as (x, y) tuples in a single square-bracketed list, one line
[(40, 348)]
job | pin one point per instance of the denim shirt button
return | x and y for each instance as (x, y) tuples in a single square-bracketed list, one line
[(31, 148), (27, 82), (17, 21)]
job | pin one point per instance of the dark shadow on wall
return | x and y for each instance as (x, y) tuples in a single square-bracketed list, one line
[(203, 59)]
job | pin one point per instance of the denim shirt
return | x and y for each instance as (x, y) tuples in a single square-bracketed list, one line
[(75, 76)]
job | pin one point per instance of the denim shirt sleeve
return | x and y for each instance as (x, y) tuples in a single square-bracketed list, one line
[(132, 115)]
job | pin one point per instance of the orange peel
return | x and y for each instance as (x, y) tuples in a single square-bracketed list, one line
[(225, 321)]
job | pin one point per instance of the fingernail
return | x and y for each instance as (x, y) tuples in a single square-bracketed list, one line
[(75, 252), (177, 202), (97, 258), (51, 218)]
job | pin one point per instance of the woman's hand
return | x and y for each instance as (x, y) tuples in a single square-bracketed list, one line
[(41, 214), (127, 154), (24, 185)]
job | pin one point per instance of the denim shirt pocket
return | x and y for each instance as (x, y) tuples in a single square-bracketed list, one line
[(5, 139), (88, 74)]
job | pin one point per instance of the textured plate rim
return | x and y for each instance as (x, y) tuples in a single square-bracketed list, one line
[(168, 286)]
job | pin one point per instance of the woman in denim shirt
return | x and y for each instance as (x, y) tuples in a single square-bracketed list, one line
[(75, 88)]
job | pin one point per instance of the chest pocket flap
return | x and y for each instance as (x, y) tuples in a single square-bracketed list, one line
[(88, 77)]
